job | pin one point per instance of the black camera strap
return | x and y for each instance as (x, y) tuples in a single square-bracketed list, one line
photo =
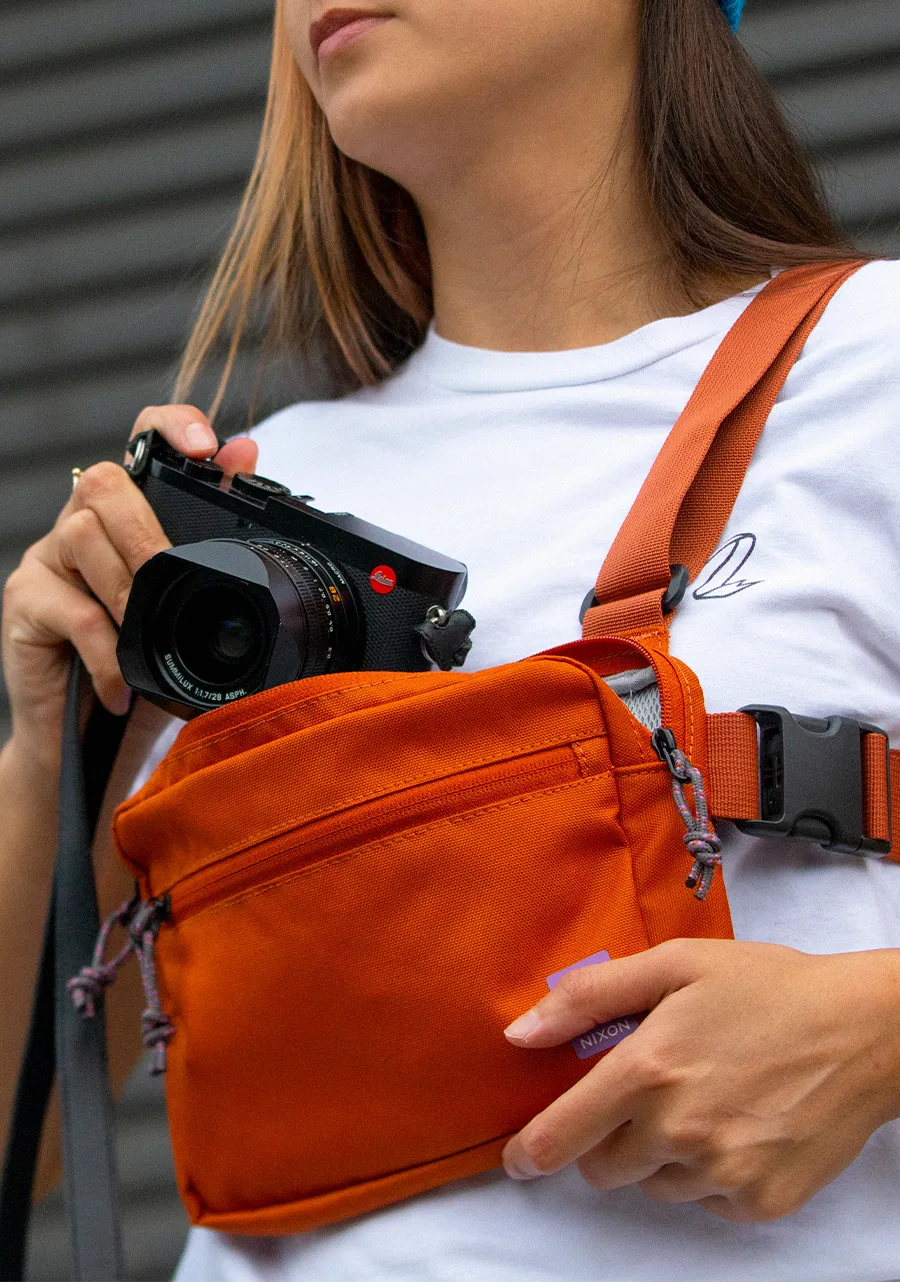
[(60, 1041)]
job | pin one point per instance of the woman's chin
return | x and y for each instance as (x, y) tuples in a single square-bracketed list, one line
[(365, 146), (389, 135)]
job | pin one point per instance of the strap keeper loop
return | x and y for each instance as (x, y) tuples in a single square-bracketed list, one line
[(672, 598)]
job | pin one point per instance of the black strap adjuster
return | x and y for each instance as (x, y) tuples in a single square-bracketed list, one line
[(811, 780), (671, 599)]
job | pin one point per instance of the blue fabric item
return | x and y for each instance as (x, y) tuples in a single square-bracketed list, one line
[(733, 10)]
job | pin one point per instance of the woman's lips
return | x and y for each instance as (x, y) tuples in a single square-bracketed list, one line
[(339, 28)]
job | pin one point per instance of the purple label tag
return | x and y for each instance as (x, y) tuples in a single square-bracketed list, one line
[(604, 1036)]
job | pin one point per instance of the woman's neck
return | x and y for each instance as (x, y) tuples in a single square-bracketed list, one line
[(548, 247)]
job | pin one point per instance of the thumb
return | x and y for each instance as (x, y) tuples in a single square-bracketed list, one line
[(238, 455), (592, 995)]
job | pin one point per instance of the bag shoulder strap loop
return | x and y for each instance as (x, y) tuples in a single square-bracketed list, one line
[(684, 504)]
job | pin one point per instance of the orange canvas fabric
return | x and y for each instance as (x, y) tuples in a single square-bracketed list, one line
[(410, 859), (371, 874)]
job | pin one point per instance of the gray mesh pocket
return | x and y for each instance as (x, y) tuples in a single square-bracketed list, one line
[(639, 692)]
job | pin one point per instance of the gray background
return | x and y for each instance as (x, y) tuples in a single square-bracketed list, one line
[(127, 128)]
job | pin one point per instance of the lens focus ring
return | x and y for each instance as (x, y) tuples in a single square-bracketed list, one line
[(324, 606)]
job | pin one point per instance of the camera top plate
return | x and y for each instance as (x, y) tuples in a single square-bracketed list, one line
[(218, 508)]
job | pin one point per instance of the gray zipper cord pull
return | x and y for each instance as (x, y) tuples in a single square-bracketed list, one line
[(701, 839), (156, 1027), (89, 984), (142, 922)]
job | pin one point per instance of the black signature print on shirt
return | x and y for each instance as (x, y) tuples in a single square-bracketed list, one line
[(723, 568)]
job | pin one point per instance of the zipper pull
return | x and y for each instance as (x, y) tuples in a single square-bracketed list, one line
[(142, 922), (701, 839), (88, 986), (156, 1027), (666, 748)]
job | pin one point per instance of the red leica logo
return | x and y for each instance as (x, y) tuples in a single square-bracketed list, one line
[(383, 579)]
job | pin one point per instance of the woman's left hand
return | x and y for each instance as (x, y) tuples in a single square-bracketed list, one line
[(757, 1077)]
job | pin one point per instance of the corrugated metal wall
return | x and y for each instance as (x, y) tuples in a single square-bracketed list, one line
[(836, 66), (126, 132)]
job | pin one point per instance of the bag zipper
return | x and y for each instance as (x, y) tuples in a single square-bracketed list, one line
[(295, 851)]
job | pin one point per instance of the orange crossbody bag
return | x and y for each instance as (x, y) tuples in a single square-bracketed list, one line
[(360, 879)]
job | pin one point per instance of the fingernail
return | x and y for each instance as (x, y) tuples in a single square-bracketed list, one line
[(520, 1167), (200, 437), (522, 1028)]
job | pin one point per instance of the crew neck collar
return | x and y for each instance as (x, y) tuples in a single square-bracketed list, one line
[(456, 367)]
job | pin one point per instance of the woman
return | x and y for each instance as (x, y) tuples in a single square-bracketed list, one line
[(520, 231)]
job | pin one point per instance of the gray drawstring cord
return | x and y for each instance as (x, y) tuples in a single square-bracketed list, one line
[(701, 839), (142, 922), (89, 984), (156, 1027)]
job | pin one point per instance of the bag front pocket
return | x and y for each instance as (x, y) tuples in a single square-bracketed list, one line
[(339, 1023)]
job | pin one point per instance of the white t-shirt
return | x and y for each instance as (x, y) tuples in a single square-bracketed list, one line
[(524, 466)]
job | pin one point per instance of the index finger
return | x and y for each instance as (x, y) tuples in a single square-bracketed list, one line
[(188, 430), (127, 518), (586, 1115), (589, 995)]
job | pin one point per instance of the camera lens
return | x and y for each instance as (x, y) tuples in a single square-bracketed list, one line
[(234, 638), (316, 604), (218, 634), (246, 615)]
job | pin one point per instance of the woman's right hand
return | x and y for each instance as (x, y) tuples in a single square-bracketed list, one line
[(71, 587)]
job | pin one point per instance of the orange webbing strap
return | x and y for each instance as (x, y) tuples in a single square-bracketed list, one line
[(877, 821), (733, 781), (683, 507)]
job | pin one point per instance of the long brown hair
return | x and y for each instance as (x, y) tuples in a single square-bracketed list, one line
[(329, 257)]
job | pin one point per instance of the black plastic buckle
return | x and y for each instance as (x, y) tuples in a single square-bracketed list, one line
[(811, 780)]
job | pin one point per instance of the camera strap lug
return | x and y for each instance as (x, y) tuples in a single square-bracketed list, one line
[(139, 448), (446, 637)]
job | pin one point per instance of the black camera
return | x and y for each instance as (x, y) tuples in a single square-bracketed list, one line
[(260, 589)]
